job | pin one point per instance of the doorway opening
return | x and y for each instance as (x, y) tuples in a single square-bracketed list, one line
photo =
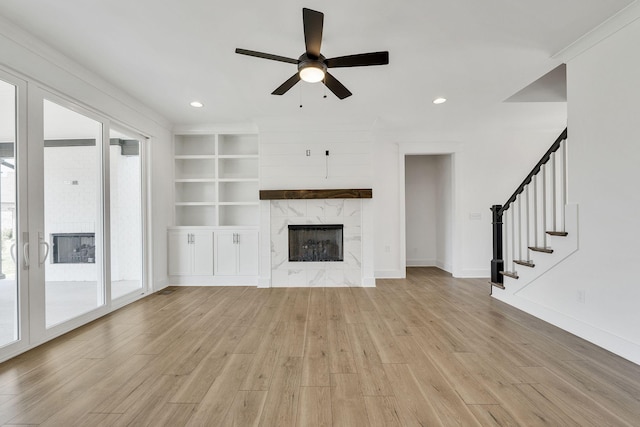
[(429, 211)]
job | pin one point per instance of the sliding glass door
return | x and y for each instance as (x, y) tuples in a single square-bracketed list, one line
[(71, 244), (12, 292), (71, 217)]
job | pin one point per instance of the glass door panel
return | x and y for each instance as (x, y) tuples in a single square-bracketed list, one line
[(125, 214), (9, 289), (71, 246)]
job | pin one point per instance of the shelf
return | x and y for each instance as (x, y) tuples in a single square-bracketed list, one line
[(187, 180), (195, 157), (216, 180), (239, 215), (199, 191), (235, 168), (248, 156), (195, 145), (238, 203), (195, 169), (196, 203), (241, 191), (196, 216), (238, 144), (238, 180)]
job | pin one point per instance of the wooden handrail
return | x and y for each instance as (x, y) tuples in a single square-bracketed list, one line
[(554, 147)]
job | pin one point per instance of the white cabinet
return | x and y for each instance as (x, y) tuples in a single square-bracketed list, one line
[(236, 253), (190, 252)]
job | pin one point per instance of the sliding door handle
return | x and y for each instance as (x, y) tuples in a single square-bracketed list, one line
[(46, 252), (42, 242), (25, 254)]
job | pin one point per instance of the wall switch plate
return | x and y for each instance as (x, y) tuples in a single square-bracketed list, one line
[(582, 295), (308, 153)]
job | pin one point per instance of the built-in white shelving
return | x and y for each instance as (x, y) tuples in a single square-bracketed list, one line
[(216, 179)]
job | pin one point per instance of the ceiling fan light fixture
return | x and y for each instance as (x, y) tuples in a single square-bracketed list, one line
[(311, 74)]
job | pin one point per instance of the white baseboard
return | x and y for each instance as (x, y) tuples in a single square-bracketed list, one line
[(160, 284), (264, 282), (599, 337), (443, 266), (368, 282), (213, 280), (469, 273), (421, 263), (390, 274)]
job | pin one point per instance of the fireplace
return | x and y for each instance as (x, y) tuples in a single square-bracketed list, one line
[(316, 243), (73, 248)]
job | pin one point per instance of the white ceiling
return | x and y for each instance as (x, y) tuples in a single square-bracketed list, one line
[(475, 53)]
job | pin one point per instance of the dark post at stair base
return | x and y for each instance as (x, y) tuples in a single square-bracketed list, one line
[(497, 263)]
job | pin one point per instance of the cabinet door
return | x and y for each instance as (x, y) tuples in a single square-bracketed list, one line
[(226, 254), (202, 243), (179, 251), (247, 242)]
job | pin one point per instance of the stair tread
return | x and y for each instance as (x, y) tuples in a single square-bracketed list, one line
[(538, 249), (558, 233), (526, 263), (497, 285), (512, 274)]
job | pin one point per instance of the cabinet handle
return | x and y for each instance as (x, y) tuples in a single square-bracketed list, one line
[(193, 238), (238, 238)]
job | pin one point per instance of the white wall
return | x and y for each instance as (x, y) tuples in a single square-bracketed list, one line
[(284, 163), (604, 154), (31, 60)]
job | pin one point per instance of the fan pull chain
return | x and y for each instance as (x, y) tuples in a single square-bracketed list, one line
[(300, 92)]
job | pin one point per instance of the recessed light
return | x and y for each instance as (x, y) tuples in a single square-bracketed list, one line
[(197, 104), (440, 100)]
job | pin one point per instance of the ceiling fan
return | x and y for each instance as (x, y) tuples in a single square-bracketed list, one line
[(312, 65)]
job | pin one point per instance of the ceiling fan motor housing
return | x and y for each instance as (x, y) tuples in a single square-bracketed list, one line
[(305, 61)]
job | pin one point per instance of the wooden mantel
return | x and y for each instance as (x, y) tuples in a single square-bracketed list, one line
[(347, 193)]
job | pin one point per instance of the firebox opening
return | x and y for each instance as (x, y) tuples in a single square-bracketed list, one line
[(73, 248), (315, 243)]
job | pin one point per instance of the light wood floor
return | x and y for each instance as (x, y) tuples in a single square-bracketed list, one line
[(426, 351)]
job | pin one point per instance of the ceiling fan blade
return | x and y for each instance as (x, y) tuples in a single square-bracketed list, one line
[(336, 87), (313, 22), (266, 56), (360, 60), (284, 87)]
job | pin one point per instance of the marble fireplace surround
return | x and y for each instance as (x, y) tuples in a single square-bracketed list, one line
[(298, 207)]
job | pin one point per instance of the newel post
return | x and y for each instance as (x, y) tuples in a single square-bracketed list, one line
[(497, 263)]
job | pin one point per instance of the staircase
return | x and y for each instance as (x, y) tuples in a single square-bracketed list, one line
[(535, 229)]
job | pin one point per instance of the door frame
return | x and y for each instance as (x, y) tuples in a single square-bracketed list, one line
[(433, 148), (22, 224), (37, 279)]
